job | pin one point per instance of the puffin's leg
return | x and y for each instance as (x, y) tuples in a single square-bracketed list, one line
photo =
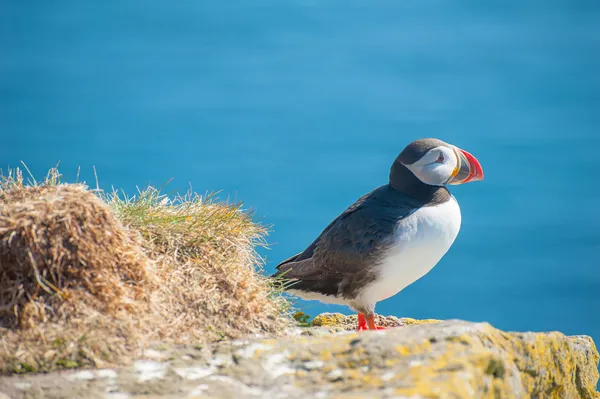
[(371, 322), (362, 323)]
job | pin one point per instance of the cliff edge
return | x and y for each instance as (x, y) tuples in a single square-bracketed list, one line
[(449, 359)]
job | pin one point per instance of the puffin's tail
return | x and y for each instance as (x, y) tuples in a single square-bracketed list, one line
[(282, 271), (279, 280), (274, 275)]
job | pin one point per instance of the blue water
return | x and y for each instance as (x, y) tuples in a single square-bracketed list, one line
[(298, 107)]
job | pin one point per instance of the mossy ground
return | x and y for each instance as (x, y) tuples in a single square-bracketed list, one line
[(88, 279)]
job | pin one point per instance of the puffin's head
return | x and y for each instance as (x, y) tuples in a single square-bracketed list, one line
[(437, 163)]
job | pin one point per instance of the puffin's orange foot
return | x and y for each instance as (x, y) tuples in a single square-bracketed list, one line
[(362, 323), (367, 323), (371, 324)]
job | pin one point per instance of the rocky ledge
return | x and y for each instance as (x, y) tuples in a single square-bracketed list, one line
[(421, 359)]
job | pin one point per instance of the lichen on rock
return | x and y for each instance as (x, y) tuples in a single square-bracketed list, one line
[(338, 320), (448, 359)]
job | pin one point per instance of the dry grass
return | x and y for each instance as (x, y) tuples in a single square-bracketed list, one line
[(88, 279), (209, 249)]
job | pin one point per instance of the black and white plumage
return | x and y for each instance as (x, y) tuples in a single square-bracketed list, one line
[(388, 238)]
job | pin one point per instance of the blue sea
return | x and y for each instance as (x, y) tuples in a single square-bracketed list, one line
[(298, 107)]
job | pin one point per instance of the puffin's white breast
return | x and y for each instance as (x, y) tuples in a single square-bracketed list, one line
[(422, 239)]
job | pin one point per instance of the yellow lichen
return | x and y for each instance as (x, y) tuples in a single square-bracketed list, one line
[(547, 365), (403, 350), (328, 320), (480, 362), (325, 355), (410, 322)]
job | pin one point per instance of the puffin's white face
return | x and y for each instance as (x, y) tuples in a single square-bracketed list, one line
[(437, 166), (435, 163)]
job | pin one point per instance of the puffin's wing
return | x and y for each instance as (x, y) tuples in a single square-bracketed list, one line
[(351, 243), (292, 267)]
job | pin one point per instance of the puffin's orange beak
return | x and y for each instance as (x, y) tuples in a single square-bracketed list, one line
[(468, 168)]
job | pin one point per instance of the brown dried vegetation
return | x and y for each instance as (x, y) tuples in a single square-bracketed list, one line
[(87, 280)]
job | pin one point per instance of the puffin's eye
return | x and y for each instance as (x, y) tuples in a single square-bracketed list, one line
[(440, 158)]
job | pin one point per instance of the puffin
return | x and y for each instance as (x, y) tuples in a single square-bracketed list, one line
[(390, 237)]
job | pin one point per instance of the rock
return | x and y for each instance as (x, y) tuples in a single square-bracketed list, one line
[(448, 359), (340, 321)]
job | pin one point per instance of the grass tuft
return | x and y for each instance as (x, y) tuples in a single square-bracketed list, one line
[(88, 278), (209, 248)]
